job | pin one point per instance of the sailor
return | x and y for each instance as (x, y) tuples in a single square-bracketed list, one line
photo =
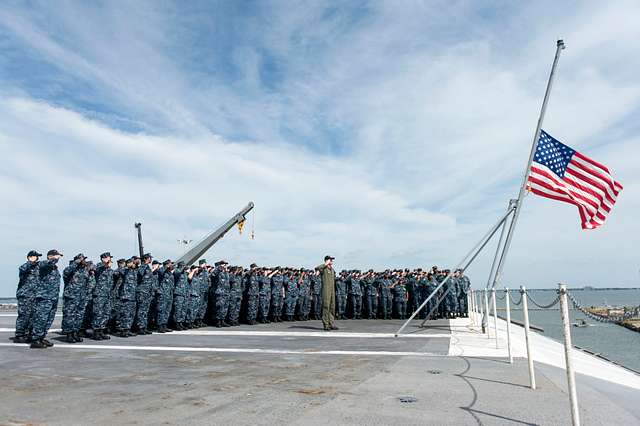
[(165, 296), (156, 267), (371, 294), (451, 297), (400, 298), (235, 296), (127, 303), (427, 286), (251, 293), (76, 283), (180, 296), (28, 281), (144, 293), (220, 293), (464, 285), (118, 279), (341, 295), (382, 284), (355, 294), (316, 298), (193, 304), (328, 278), (204, 282), (277, 294), (304, 297), (46, 299), (264, 295), (102, 297)]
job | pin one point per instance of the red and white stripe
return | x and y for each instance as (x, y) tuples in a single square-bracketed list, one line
[(586, 184)]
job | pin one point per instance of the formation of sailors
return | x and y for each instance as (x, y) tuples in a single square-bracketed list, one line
[(141, 295)]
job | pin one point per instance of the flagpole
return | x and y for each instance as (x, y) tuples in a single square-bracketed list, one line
[(559, 48)]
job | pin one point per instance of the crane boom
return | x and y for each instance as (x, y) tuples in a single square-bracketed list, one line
[(199, 249)]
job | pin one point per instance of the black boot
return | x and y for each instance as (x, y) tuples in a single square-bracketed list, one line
[(224, 324), (71, 338), (104, 335), (38, 344), (97, 335), (48, 343), (20, 339), (77, 336)]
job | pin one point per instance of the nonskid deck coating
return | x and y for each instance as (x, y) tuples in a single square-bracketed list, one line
[(307, 382)]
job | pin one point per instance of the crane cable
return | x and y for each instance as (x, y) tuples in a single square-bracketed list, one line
[(253, 225)]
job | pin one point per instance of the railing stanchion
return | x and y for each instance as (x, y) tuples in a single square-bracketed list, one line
[(525, 311), (481, 305), (508, 308), (571, 379), (485, 317), (495, 315)]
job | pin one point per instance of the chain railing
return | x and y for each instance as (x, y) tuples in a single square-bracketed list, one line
[(601, 318), (548, 306), (513, 300)]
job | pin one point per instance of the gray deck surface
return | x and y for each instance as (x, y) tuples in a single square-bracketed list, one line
[(98, 385)]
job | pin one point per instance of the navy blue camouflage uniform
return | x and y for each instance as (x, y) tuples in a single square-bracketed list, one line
[(341, 297), (180, 296), (291, 296), (144, 291), (101, 313), (355, 297), (128, 296), (251, 292), (316, 298), (46, 298), (220, 296), (304, 298), (277, 297), (165, 297), (29, 278), (264, 298), (235, 298), (76, 283)]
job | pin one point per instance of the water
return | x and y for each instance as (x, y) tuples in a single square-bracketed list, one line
[(610, 340)]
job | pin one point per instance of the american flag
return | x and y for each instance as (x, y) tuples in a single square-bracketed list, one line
[(560, 173)]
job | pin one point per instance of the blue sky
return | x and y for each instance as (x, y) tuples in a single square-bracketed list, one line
[(389, 134)]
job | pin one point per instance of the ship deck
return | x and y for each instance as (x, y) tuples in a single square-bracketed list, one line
[(295, 373)]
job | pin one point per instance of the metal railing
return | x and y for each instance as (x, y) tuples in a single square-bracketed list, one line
[(480, 307)]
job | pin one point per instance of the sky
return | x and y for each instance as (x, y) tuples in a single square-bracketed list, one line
[(388, 134)]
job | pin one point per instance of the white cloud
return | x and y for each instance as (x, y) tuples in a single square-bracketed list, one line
[(388, 136)]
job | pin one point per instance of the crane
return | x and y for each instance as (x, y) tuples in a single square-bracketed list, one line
[(199, 249)]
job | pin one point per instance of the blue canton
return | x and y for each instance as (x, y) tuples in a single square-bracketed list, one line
[(553, 154)]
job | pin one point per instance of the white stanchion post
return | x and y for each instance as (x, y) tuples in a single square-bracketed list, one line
[(470, 307), (508, 308), (481, 305), (495, 315), (485, 317), (525, 311), (571, 378)]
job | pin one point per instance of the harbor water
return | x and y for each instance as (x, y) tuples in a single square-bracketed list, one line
[(609, 340)]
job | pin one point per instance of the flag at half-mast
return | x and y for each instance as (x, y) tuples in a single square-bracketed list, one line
[(561, 173)]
